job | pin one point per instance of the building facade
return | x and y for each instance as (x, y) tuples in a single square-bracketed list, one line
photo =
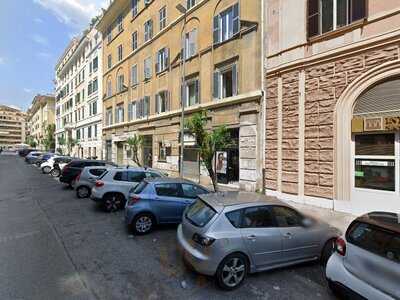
[(78, 97), (149, 46), (40, 115), (12, 127), (333, 103)]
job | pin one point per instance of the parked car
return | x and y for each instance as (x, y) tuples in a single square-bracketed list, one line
[(25, 152), (87, 179), (366, 263), (74, 168), (32, 157), (48, 165), (42, 158), (59, 164), (112, 188), (159, 201), (231, 234)]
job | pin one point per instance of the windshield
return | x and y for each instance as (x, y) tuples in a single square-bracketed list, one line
[(140, 187), (199, 213)]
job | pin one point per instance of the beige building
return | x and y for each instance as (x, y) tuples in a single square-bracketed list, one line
[(143, 54), (12, 126), (40, 114), (333, 103)]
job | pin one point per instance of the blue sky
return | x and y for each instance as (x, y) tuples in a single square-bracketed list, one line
[(34, 34)]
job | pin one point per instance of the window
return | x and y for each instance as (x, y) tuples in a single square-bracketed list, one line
[(134, 8), (162, 60), (376, 240), (131, 111), (287, 217), (95, 130), (134, 41), (168, 189), (94, 107), (163, 152), (255, 217), (199, 213), (95, 85), (119, 52), (136, 176), (109, 34), (375, 161), (190, 3), (162, 102), (109, 88), (148, 30), (225, 82), (147, 68), (140, 187), (119, 23), (163, 17), (192, 191), (134, 75), (226, 24), (109, 61), (120, 83), (95, 64), (109, 117), (234, 217), (328, 15), (143, 108), (190, 44), (191, 92), (121, 176), (97, 172), (119, 113), (89, 130)]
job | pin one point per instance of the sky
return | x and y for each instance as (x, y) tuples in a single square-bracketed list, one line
[(33, 35)]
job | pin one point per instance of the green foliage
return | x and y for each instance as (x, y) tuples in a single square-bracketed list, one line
[(49, 140), (208, 141), (30, 141), (135, 142), (62, 141)]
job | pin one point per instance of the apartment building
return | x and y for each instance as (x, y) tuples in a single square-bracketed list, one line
[(40, 114), (332, 103), (148, 47), (78, 96), (12, 127)]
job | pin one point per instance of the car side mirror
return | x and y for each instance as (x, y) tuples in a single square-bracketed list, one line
[(307, 222)]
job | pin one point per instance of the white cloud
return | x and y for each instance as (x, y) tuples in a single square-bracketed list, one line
[(38, 20), (75, 13), (41, 40), (28, 91), (2, 60)]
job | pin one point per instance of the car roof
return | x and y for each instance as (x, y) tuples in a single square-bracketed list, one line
[(129, 168), (220, 200), (169, 180), (386, 220)]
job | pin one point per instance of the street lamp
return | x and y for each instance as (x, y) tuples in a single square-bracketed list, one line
[(182, 10)]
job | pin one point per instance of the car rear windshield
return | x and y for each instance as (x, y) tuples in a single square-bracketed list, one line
[(376, 240), (102, 175), (199, 213), (140, 187)]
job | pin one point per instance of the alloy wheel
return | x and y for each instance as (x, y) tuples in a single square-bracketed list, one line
[(83, 192), (112, 203), (143, 224), (233, 272)]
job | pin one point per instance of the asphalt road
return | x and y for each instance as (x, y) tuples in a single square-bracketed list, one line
[(55, 246)]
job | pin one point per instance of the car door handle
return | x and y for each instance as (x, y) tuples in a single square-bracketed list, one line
[(288, 235), (251, 237)]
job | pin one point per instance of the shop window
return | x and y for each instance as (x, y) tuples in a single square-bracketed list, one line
[(375, 161)]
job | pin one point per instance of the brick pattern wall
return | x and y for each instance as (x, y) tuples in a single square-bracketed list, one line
[(290, 132), (271, 151), (323, 87)]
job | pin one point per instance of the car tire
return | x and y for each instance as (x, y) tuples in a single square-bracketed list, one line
[(46, 170), (113, 202), (232, 271), (55, 173), (143, 224), (327, 252), (82, 192)]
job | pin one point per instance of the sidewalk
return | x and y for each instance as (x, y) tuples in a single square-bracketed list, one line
[(337, 219)]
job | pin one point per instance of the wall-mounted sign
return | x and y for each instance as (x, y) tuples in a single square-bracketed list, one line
[(392, 123), (375, 163), (373, 124)]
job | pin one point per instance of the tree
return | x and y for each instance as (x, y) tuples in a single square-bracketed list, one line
[(134, 143), (208, 141), (70, 144), (49, 141), (30, 141), (61, 142)]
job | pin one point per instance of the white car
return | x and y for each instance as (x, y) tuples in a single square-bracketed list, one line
[(48, 165)]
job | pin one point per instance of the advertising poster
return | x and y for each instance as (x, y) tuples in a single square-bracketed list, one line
[(221, 164)]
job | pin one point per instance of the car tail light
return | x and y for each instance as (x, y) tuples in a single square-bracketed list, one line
[(202, 240), (340, 246), (99, 183), (134, 199), (79, 176)]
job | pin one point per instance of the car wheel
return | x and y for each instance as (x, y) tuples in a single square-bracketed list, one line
[(46, 170), (113, 202), (82, 192), (327, 251), (232, 271), (143, 224), (55, 173)]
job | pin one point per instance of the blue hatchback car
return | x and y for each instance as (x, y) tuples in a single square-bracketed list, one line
[(159, 201)]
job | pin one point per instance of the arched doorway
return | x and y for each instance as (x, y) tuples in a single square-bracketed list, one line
[(368, 143)]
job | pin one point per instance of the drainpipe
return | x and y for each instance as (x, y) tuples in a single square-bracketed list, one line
[(263, 97)]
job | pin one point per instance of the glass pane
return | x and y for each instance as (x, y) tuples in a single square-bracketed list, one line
[(287, 217), (258, 217), (375, 174), (358, 9), (375, 144), (199, 213), (327, 15), (234, 217), (341, 13), (167, 189)]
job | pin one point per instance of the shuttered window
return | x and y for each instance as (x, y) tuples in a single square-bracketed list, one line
[(226, 24), (225, 82)]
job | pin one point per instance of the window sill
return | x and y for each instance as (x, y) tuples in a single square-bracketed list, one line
[(336, 32), (114, 37), (162, 72)]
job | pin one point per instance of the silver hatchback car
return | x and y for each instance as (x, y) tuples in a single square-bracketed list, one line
[(86, 180), (231, 234), (366, 262)]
